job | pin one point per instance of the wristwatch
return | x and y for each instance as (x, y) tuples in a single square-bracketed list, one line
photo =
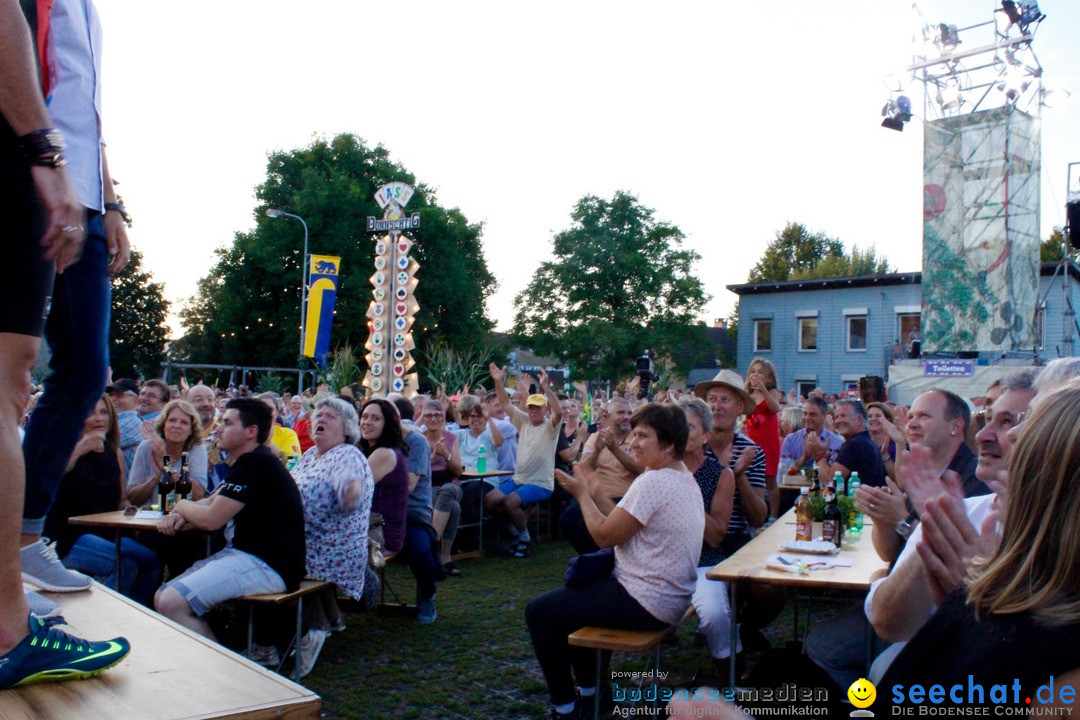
[(905, 527)]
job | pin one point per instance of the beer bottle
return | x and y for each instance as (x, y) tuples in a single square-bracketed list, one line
[(166, 485), (804, 516), (183, 485), (832, 528)]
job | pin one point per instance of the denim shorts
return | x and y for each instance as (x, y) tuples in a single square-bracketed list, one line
[(225, 575), (529, 494)]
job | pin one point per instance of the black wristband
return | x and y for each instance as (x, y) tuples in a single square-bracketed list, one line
[(44, 148), (118, 208)]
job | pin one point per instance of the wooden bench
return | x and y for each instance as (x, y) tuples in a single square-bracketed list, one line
[(307, 587), (399, 606), (626, 641), (171, 673)]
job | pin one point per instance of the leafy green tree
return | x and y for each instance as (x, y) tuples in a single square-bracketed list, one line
[(619, 283), (858, 262), (794, 249), (1050, 248), (137, 329), (247, 309)]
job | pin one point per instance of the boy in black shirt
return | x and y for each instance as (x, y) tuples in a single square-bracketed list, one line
[(267, 552)]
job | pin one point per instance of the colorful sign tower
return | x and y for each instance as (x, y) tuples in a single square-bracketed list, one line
[(393, 306)]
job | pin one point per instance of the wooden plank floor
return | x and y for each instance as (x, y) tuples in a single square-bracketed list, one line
[(171, 673)]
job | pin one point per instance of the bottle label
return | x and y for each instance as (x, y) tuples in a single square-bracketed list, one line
[(829, 531), (804, 530)]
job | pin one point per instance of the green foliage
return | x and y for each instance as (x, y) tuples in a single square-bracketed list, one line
[(619, 283), (794, 249), (271, 382), (247, 309), (453, 368), (137, 329), (859, 262), (1050, 248), (342, 368)]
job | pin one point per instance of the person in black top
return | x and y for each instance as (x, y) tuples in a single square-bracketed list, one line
[(857, 454), (267, 553)]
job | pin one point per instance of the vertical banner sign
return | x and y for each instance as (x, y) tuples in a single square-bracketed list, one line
[(393, 306), (322, 293)]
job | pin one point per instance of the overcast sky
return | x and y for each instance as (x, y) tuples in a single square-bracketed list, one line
[(729, 119)]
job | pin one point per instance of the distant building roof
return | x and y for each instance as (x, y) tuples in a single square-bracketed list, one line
[(909, 278)]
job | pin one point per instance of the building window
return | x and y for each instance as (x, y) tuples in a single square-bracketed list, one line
[(856, 332), (808, 334), (910, 325), (805, 387), (762, 335)]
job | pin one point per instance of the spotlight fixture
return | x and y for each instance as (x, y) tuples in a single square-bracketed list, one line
[(1022, 13), (949, 96), (896, 113), (948, 37)]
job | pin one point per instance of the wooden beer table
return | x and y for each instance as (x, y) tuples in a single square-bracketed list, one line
[(470, 476), (120, 522), (749, 564)]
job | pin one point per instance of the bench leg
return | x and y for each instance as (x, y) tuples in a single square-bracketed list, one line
[(251, 630), (734, 609), (296, 640)]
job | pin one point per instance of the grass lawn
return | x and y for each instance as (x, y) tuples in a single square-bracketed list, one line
[(476, 660)]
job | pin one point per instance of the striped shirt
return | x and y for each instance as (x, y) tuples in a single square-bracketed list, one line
[(755, 474)]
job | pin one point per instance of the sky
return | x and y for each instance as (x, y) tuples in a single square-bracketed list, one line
[(728, 119)]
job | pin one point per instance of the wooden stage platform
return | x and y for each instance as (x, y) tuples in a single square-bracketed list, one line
[(171, 673)]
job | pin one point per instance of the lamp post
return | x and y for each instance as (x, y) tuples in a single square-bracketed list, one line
[(272, 213)]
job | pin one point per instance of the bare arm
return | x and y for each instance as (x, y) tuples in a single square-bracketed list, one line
[(209, 516), (607, 530), (902, 601), (716, 520), (552, 398), (382, 461), (116, 238), (496, 436)]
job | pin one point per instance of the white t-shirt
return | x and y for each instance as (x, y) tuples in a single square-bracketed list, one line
[(658, 565), (536, 451)]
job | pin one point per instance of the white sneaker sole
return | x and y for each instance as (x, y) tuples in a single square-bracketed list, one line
[(31, 580)]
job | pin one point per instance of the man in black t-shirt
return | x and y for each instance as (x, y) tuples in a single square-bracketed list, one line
[(857, 454), (267, 553)]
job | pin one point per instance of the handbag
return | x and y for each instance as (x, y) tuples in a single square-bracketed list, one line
[(590, 567), (376, 558)]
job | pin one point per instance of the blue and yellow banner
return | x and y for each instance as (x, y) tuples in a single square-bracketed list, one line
[(322, 293)]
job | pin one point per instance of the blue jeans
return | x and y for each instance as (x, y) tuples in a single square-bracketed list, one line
[(422, 555), (140, 566), (77, 331)]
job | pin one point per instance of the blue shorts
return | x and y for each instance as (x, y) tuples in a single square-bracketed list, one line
[(529, 494), (224, 575)]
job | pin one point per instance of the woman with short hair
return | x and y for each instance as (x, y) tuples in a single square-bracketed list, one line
[(656, 530)]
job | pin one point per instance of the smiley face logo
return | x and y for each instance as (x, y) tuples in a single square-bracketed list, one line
[(862, 693)]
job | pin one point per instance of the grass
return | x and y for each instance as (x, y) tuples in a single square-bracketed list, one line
[(476, 660)]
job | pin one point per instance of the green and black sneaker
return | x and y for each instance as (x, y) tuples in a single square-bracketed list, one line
[(49, 654)]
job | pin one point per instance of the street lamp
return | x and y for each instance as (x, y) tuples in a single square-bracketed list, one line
[(272, 213)]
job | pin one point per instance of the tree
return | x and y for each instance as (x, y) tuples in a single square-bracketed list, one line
[(137, 330), (793, 250), (247, 309), (859, 262), (619, 284), (1050, 248)]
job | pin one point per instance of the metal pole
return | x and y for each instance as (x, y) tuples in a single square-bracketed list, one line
[(274, 213)]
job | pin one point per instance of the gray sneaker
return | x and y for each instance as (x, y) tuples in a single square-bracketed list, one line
[(310, 647), (42, 606), (42, 568), (266, 655)]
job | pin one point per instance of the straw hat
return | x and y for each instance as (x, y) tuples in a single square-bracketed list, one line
[(730, 380)]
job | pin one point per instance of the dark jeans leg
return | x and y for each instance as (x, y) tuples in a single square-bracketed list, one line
[(572, 525), (422, 557), (552, 616), (77, 331)]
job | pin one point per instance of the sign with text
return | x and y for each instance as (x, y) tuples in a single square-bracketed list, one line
[(949, 368)]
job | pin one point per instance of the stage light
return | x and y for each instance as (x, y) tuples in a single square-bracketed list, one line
[(949, 96), (1022, 13), (1015, 80), (948, 37), (896, 113)]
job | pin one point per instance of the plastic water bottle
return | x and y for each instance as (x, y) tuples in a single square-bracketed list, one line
[(856, 524), (481, 461)]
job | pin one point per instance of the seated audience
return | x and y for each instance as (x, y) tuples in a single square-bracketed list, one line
[(857, 454), (336, 486), (177, 430), (656, 531), (1014, 620), (717, 485), (886, 435), (282, 439), (446, 468), (94, 483), (534, 478), (267, 551)]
